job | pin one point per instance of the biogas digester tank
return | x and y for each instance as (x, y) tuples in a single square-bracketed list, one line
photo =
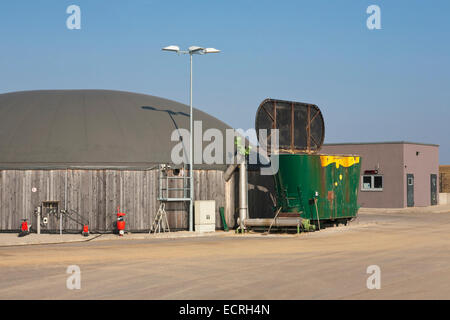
[(306, 178)]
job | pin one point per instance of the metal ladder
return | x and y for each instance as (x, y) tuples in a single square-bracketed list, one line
[(172, 188), (160, 222)]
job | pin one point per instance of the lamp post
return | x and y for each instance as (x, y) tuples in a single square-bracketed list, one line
[(191, 51)]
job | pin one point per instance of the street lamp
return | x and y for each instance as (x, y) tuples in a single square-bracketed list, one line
[(191, 51)]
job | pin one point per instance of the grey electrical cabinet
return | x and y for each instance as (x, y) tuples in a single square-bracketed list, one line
[(205, 215)]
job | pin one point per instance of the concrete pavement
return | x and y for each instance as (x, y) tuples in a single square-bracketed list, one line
[(411, 248)]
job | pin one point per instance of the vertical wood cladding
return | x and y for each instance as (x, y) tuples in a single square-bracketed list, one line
[(96, 194)]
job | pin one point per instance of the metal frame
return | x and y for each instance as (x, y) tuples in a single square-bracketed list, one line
[(312, 145), (165, 189)]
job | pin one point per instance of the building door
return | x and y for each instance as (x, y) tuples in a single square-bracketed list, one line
[(433, 184), (410, 190)]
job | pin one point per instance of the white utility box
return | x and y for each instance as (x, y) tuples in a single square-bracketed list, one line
[(205, 215)]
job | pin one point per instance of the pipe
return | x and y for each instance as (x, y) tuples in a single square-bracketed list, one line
[(38, 219), (65, 191), (317, 212), (278, 222), (229, 172), (243, 194)]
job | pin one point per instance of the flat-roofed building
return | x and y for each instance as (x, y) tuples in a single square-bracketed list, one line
[(394, 174)]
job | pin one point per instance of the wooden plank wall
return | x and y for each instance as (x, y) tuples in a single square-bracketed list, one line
[(444, 178), (96, 194)]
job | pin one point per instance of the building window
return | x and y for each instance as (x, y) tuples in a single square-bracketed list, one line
[(372, 183), (410, 181)]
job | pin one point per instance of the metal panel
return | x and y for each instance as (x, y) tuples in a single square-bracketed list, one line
[(205, 212), (301, 125), (335, 178)]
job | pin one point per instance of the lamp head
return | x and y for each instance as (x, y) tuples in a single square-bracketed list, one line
[(172, 48), (191, 50), (211, 50), (196, 50)]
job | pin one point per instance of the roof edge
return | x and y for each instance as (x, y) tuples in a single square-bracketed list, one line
[(143, 166), (382, 142)]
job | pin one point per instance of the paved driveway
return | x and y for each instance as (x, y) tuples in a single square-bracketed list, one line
[(412, 249)]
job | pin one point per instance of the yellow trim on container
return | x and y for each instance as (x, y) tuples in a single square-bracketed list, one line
[(339, 160)]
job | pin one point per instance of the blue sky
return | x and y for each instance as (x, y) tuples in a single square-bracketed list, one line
[(371, 85)]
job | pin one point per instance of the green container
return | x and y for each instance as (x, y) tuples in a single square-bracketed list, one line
[(334, 178)]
